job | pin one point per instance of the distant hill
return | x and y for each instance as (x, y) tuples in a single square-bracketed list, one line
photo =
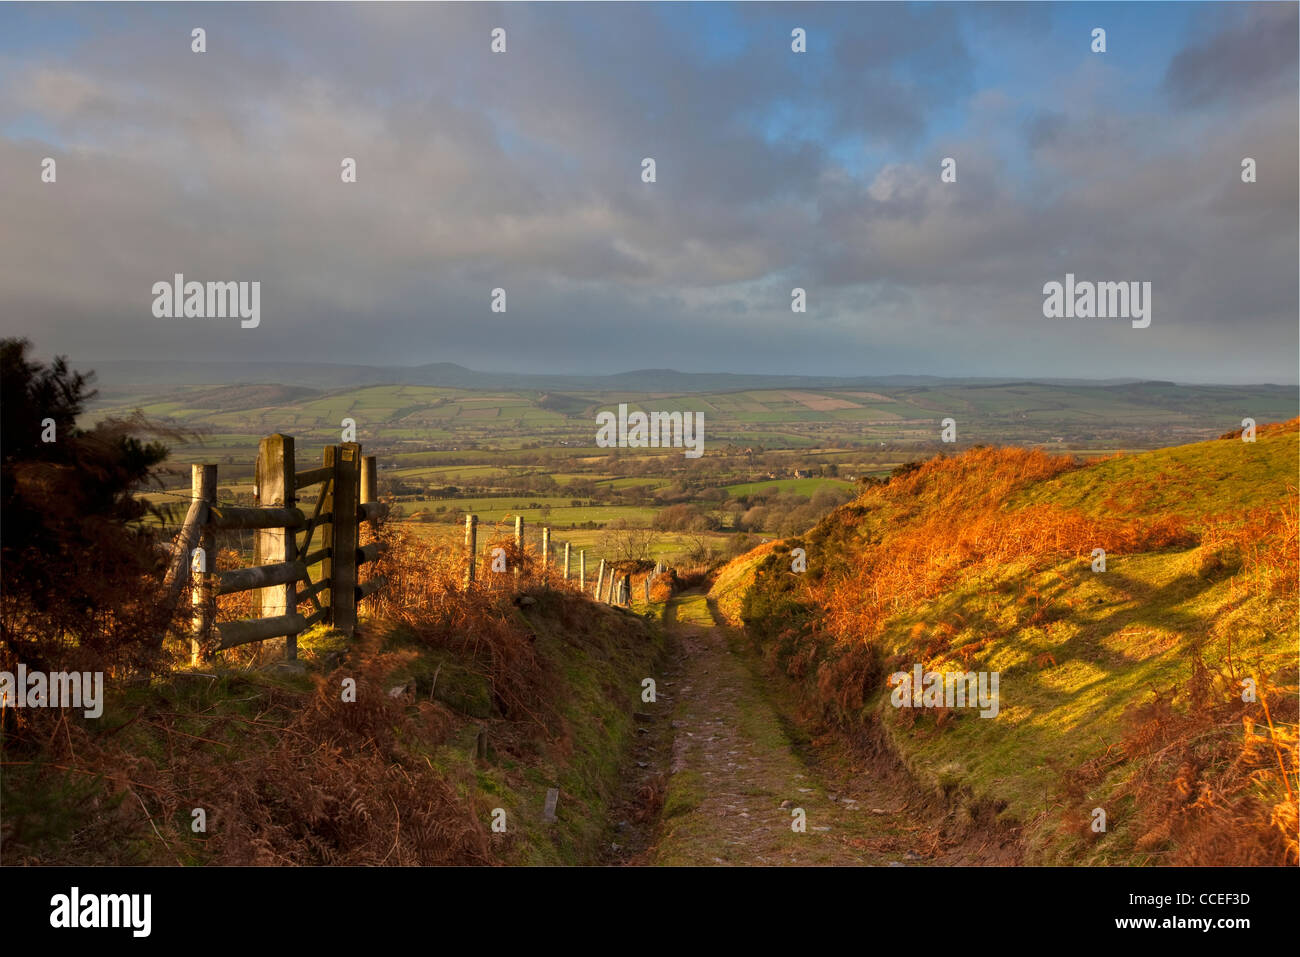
[(134, 374), (238, 398)]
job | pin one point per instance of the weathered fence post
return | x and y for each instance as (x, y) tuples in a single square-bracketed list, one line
[(647, 589), (203, 488), (546, 550), (369, 480), (519, 545), (582, 570), (325, 515), (566, 561), (368, 487), (343, 527), (471, 547), (275, 485), (600, 579)]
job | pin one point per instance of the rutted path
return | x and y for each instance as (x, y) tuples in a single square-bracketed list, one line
[(736, 779)]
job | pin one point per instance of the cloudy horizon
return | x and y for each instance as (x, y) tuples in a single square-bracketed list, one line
[(522, 171)]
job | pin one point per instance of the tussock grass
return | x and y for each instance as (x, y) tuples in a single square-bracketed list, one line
[(287, 772)]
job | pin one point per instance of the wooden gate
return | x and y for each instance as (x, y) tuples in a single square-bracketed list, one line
[(282, 563)]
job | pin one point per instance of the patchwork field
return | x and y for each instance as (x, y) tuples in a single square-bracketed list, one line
[(772, 456)]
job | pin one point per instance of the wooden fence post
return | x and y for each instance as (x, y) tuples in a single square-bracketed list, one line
[(582, 570), (274, 478), (471, 547), (600, 579), (546, 550), (369, 480), (203, 488), (346, 460), (519, 545), (325, 515), (566, 561), (367, 486)]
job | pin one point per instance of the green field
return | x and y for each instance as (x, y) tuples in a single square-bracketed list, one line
[(556, 512), (800, 486), (669, 546), (393, 418), (444, 452)]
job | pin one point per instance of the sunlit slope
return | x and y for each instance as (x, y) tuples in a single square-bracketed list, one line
[(1197, 481), (1119, 689)]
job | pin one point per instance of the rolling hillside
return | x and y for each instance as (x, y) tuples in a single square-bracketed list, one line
[(1121, 691), (404, 418)]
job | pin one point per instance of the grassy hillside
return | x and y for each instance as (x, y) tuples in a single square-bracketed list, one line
[(1119, 689), (286, 771)]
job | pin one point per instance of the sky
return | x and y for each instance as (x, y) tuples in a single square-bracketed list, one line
[(774, 170)]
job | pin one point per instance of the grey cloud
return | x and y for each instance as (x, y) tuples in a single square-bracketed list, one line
[(523, 172), (1255, 51)]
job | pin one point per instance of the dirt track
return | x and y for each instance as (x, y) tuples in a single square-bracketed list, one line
[(737, 779), (719, 771)]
